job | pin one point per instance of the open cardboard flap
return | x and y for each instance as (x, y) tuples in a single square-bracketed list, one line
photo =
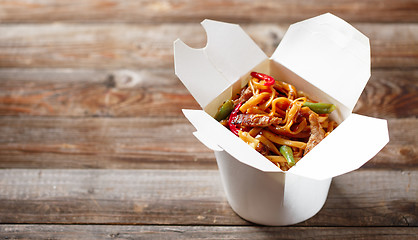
[(348, 147), (216, 136), (330, 54), (228, 55), (325, 52)]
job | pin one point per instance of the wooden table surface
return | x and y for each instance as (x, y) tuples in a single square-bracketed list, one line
[(93, 143)]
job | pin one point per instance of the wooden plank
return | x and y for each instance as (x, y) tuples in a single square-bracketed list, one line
[(151, 45), (390, 94), (69, 92), (147, 142), (158, 92), (187, 10), (25, 231), (101, 143), (401, 151), (189, 197)]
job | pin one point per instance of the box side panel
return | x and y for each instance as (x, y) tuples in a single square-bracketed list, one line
[(304, 197), (252, 194)]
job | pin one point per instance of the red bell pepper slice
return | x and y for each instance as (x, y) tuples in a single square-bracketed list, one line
[(232, 117), (268, 80)]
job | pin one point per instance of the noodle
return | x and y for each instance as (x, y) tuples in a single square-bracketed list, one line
[(254, 100), (270, 114)]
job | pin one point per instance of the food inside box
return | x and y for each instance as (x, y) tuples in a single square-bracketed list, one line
[(273, 117)]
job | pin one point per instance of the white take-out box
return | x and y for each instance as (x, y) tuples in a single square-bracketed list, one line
[(326, 58)]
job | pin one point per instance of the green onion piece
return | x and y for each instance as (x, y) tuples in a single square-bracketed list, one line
[(224, 110), (320, 108), (287, 153)]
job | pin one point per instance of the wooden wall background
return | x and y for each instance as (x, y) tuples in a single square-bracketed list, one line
[(88, 95)]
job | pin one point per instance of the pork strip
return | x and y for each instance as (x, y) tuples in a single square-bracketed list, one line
[(255, 120), (317, 133), (262, 149), (246, 94)]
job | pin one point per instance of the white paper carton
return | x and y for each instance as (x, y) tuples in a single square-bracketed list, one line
[(326, 58)]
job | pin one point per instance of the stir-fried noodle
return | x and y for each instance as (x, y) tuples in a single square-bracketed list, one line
[(276, 120)]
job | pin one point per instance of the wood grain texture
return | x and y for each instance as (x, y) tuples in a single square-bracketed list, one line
[(93, 144), (86, 93), (28, 231), (151, 143), (188, 10), (159, 93), (189, 197), (390, 94), (101, 143), (134, 46)]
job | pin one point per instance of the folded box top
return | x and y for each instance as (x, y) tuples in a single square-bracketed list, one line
[(325, 51)]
